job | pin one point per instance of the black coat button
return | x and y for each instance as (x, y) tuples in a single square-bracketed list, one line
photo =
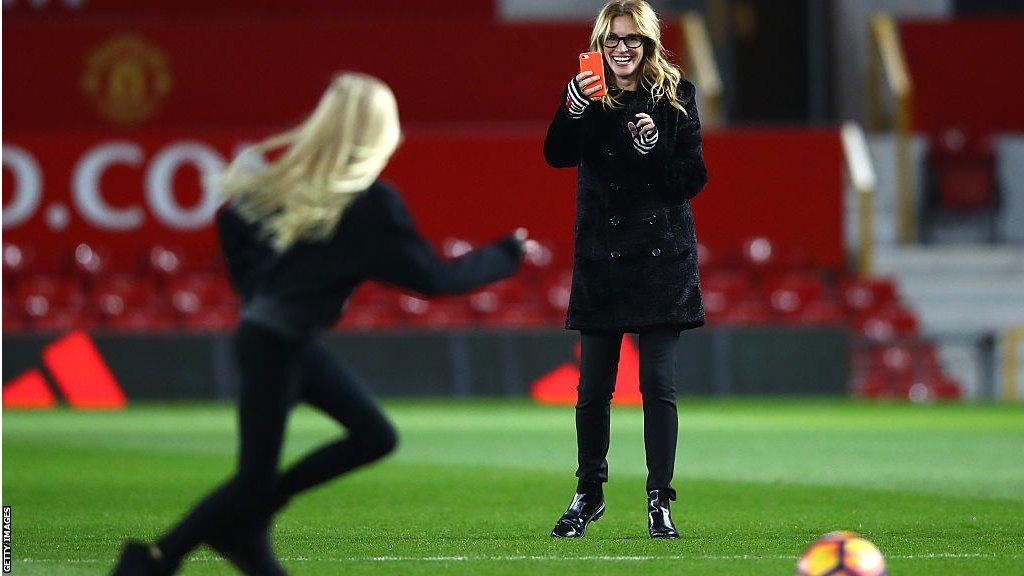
[(656, 252), (615, 254), (614, 221), (614, 187), (652, 219)]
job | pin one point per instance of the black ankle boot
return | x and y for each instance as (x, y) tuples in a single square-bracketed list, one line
[(585, 508), (659, 517), (140, 559), (248, 548)]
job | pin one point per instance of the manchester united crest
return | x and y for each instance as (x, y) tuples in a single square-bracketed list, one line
[(127, 78)]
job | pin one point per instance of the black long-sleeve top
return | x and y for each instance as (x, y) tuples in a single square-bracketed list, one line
[(303, 289)]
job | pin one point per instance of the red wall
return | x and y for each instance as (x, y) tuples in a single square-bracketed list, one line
[(966, 73), (225, 72), (247, 8), (785, 184)]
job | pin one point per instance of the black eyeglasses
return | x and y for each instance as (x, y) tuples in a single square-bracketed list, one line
[(632, 41)]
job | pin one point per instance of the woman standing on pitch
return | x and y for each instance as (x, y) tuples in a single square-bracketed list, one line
[(299, 235), (638, 153)]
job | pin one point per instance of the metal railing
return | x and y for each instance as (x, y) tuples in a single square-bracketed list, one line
[(889, 70), (1012, 358), (862, 176), (700, 56)]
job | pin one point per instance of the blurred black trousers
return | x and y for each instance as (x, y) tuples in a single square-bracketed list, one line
[(599, 360), (276, 372)]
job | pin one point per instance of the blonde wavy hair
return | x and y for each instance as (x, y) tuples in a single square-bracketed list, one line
[(657, 74), (337, 152)]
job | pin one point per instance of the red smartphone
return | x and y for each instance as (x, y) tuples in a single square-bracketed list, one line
[(594, 62)]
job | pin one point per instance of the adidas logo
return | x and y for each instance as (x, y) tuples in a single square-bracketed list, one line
[(78, 372), (559, 385)]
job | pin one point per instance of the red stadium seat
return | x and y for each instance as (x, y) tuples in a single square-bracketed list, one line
[(818, 313), (787, 295), (895, 359), (14, 319), (90, 261), (887, 323), (486, 302), (536, 265), (735, 285), (945, 388), (194, 292), (154, 318), (519, 315), (906, 357), (556, 288), (908, 368), (216, 318), (745, 313), (808, 285), (491, 299), (436, 313), (961, 177), (722, 289), (172, 261), (860, 295), (37, 296), (928, 387), (369, 318), (20, 261), (64, 319), (871, 384), (963, 170), (116, 294), (705, 257)]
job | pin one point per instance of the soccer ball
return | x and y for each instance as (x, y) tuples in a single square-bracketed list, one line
[(841, 553)]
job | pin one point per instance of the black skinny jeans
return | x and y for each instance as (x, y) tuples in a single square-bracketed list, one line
[(277, 371), (599, 360)]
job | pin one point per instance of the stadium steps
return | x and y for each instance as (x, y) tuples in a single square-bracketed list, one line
[(959, 289)]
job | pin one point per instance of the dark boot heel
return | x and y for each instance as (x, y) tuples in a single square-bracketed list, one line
[(249, 549), (583, 510)]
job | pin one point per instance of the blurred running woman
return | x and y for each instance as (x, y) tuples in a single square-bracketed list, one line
[(299, 235)]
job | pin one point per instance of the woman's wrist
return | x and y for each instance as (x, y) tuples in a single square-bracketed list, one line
[(576, 101), (644, 142)]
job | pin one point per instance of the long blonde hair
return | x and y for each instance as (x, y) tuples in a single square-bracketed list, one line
[(338, 151), (657, 74)]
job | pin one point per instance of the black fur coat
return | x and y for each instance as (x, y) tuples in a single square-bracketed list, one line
[(635, 261)]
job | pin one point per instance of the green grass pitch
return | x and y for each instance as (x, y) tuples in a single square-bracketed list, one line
[(476, 486)]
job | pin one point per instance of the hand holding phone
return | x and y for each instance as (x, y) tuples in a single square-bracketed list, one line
[(591, 76)]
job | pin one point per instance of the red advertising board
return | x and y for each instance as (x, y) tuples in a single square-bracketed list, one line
[(131, 192)]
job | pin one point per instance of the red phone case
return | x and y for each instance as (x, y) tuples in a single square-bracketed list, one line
[(594, 62)]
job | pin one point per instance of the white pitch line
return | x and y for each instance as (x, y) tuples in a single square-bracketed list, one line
[(621, 558), (710, 557)]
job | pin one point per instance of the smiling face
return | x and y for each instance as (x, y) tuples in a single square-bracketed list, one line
[(623, 60)]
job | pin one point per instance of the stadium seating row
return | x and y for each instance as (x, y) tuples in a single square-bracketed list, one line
[(170, 287), (902, 368)]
